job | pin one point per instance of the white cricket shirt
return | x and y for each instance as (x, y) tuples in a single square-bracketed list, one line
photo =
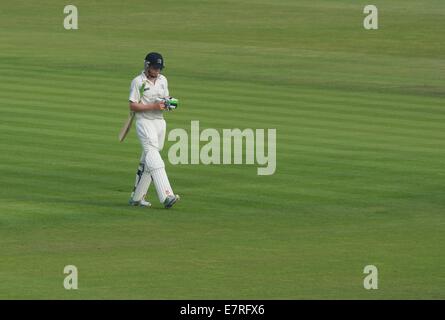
[(151, 92)]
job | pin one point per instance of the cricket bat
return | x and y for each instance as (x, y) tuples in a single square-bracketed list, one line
[(127, 125), (126, 128)]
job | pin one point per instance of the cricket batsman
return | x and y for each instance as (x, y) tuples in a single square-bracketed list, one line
[(147, 92)]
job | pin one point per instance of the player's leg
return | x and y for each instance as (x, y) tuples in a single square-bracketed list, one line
[(149, 135), (156, 166), (171, 198), (142, 183)]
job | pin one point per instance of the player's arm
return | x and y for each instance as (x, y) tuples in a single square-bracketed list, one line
[(139, 107)]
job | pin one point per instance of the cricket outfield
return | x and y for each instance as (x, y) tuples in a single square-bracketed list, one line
[(360, 150)]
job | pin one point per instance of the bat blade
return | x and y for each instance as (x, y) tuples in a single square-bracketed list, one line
[(126, 127)]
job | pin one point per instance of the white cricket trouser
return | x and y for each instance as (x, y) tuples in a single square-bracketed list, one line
[(151, 134)]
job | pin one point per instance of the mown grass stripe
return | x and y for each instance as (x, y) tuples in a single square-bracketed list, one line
[(283, 137), (91, 136), (259, 102), (30, 115), (404, 101), (407, 124)]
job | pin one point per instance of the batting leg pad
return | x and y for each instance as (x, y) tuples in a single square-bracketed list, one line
[(143, 180), (153, 159), (161, 183)]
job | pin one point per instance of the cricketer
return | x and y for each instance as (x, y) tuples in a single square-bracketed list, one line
[(146, 93)]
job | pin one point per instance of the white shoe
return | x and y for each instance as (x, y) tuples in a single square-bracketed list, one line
[(145, 203), (142, 203), (171, 200)]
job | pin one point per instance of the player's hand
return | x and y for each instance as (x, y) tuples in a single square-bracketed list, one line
[(159, 105)]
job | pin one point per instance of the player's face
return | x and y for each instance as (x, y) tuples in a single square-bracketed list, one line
[(153, 72)]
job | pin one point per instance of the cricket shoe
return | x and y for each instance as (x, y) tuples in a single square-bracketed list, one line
[(171, 200), (142, 203)]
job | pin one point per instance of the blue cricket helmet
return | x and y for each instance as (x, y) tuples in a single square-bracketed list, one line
[(154, 59)]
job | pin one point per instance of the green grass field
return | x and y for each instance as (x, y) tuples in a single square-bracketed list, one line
[(360, 179)]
